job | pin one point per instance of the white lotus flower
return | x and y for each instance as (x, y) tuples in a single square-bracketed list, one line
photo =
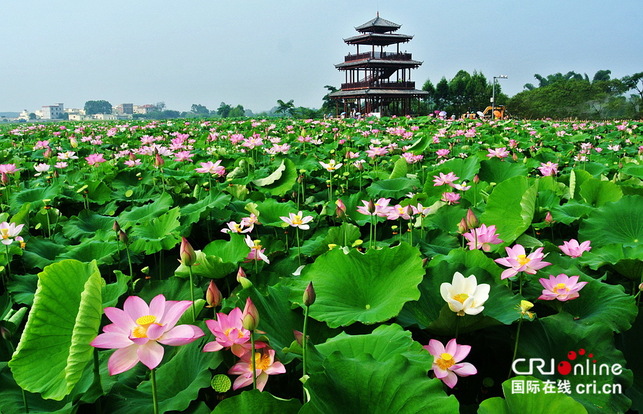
[(465, 295)]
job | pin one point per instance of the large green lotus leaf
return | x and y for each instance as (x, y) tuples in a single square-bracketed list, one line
[(393, 188), (41, 252), (146, 212), (89, 225), (420, 144), (11, 401), (343, 235), (257, 402), (33, 196), (211, 267), (23, 288), (233, 251), (532, 402), (400, 168), (179, 381), (628, 261), (270, 210), (620, 222), (101, 251), (158, 234), (555, 336), (281, 180), (596, 192), (363, 384), (431, 311), (633, 170), (571, 211), (113, 291), (576, 179), (495, 170), (98, 192), (279, 320), (603, 304), (383, 343), (64, 319), (465, 169), (366, 288), (191, 213), (510, 207)]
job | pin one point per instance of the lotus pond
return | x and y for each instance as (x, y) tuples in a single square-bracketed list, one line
[(394, 265)]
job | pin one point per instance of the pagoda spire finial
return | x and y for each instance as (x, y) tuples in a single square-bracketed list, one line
[(378, 13)]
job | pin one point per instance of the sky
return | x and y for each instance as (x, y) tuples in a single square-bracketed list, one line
[(254, 52)]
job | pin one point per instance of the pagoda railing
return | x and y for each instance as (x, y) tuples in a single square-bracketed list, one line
[(377, 55), (378, 85)]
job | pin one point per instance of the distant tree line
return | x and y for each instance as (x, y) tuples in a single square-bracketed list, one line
[(573, 95), (465, 92)]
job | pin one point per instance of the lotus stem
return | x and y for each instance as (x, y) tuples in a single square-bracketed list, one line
[(99, 407), (192, 293), (253, 360), (304, 353), (155, 398), (516, 343)]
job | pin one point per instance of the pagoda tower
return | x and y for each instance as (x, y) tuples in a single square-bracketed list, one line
[(375, 77)]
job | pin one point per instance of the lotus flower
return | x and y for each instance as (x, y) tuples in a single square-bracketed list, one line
[(229, 333), (573, 249), (465, 295), (265, 365), (138, 330), (298, 220), (446, 361), (518, 261), (561, 287), (9, 231), (482, 238)]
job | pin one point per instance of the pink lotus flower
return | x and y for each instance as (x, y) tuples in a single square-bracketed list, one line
[(94, 159), (256, 250), (446, 361), (442, 153), (379, 208), (451, 198), (561, 287), (9, 231), (548, 168), (234, 227), (398, 211), (518, 261), (443, 179), (229, 333), (498, 153), (573, 249), (298, 220), (265, 365), (482, 238), (211, 168), (138, 330)]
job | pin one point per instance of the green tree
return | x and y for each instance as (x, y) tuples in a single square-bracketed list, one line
[(98, 107), (328, 105), (224, 110), (285, 108), (237, 112), (200, 110)]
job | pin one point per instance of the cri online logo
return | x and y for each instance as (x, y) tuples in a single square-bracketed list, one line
[(581, 362)]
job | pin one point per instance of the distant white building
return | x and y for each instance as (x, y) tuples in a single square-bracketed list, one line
[(144, 109), (52, 111), (104, 117), (24, 115)]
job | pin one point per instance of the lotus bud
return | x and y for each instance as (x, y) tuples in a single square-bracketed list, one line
[(213, 295), (73, 142), (548, 218), (641, 287), (340, 211), (4, 178), (158, 160), (476, 179), (471, 220), (243, 279), (250, 316), (462, 226), (187, 254), (145, 270), (299, 337), (309, 295), (122, 236), (47, 153), (371, 206), (116, 227)]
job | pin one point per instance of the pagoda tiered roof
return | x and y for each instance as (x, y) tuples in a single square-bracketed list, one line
[(378, 25), (378, 39)]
